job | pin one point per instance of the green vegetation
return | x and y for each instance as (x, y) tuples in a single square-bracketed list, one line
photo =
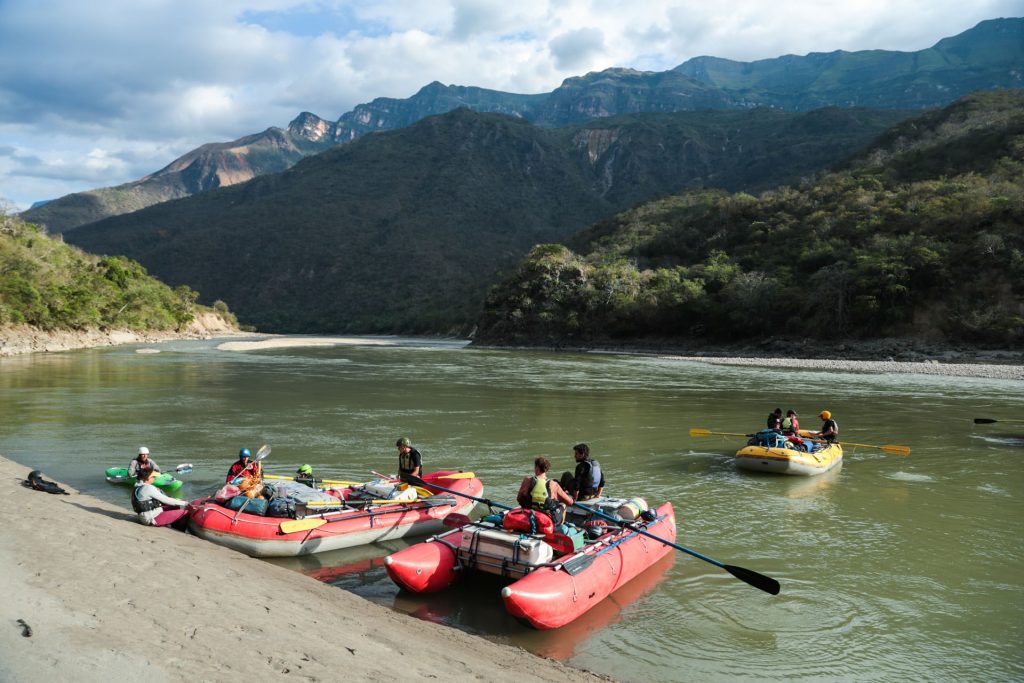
[(50, 285), (920, 236), (403, 231)]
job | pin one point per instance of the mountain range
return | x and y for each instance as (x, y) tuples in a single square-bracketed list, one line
[(988, 56), (402, 231), (918, 236)]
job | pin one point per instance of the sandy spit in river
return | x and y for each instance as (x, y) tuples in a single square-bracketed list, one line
[(108, 599)]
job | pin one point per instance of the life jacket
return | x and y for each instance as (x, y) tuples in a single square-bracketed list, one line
[(406, 463), (589, 485), (835, 429), (540, 494), (143, 505)]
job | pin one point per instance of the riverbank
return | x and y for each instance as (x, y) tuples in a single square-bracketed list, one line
[(104, 597), (884, 356), (20, 339)]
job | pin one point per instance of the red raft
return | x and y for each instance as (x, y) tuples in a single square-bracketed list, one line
[(260, 536), (549, 587)]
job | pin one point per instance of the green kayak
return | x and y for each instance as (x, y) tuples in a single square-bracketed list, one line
[(119, 475)]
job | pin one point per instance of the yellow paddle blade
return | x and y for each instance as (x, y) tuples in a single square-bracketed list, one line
[(458, 475), (898, 450), (700, 432), (293, 525), (423, 493)]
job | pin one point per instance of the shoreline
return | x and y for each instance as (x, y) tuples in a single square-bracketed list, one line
[(883, 356), (880, 357), (105, 597), (16, 340)]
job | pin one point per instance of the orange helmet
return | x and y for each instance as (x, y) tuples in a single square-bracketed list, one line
[(825, 415)]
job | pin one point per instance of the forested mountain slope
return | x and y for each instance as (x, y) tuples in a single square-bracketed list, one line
[(403, 231), (922, 235)]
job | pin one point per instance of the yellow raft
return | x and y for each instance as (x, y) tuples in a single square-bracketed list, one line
[(790, 460)]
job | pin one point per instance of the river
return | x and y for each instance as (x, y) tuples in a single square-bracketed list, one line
[(892, 568)]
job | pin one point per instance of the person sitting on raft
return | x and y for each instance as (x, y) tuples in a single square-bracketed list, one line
[(244, 467), (829, 429), (304, 475), (142, 462), (541, 494), (588, 480), (151, 504)]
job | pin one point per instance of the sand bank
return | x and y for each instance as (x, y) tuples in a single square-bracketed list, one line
[(109, 599), (928, 367), (295, 342)]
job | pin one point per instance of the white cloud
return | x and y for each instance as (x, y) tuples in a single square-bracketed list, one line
[(155, 79)]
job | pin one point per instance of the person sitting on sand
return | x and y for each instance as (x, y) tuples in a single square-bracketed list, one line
[(410, 462), (540, 493), (151, 504), (142, 462), (829, 429)]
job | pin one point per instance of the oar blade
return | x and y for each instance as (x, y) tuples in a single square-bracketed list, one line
[(765, 583), (292, 525), (456, 520), (984, 421), (898, 450), (458, 475), (700, 432)]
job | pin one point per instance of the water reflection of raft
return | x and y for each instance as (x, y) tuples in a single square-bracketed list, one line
[(260, 536), (789, 460), (545, 591)]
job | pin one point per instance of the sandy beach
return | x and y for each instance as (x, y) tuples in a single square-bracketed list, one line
[(105, 598)]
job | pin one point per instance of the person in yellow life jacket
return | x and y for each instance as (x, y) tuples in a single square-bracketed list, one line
[(537, 492)]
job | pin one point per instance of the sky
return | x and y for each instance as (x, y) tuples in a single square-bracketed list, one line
[(94, 94)]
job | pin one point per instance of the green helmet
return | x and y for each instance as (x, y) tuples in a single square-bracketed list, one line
[(404, 441), (305, 469)]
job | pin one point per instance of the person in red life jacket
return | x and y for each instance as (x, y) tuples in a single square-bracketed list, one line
[(242, 465), (829, 429), (142, 462), (154, 507), (410, 462), (541, 494), (588, 480), (791, 428)]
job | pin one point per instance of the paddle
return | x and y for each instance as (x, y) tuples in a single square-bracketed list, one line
[(293, 525), (453, 475), (765, 583), (433, 501), (183, 468), (897, 450), (263, 452), (489, 503), (989, 421), (706, 432)]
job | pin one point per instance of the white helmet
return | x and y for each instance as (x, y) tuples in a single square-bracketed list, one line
[(143, 450)]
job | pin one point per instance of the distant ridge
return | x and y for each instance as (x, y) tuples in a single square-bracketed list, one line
[(988, 56), (402, 231)]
